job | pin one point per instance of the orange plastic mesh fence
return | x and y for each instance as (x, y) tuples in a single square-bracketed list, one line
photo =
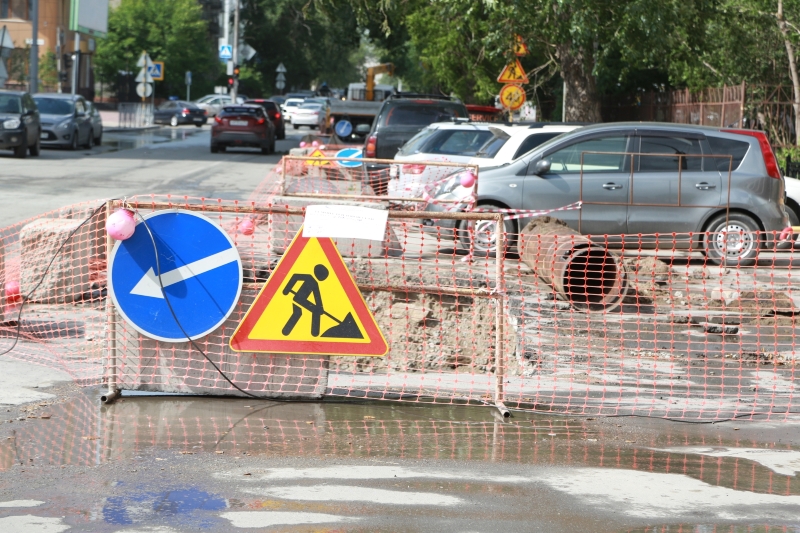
[(603, 332)]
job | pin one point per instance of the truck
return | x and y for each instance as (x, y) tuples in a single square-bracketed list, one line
[(352, 118)]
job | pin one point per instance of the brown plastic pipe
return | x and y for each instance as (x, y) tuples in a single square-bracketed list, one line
[(587, 275)]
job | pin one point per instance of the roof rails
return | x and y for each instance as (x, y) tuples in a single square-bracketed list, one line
[(422, 95)]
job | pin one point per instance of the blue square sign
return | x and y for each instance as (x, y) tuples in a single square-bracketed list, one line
[(225, 51)]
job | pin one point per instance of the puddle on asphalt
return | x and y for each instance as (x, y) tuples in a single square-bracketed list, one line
[(716, 528), (83, 432), (114, 141)]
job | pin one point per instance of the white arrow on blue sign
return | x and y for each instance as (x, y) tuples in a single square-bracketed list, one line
[(225, 51), (350, 153), (201, 274)]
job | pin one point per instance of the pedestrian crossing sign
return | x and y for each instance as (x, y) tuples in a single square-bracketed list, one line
[(310, 305)]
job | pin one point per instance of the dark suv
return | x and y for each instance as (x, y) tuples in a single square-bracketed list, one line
[(19, 123), (273, 111), (402, 116), (643, 185)]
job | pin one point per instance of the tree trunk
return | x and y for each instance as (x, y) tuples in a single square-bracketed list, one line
[(582, 103), (792, 70)]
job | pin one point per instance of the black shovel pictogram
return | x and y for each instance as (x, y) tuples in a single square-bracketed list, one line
[(309, 288)]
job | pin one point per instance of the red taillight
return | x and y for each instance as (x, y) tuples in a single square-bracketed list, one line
[(766, 150), (413, 169), (372, 147), (277, 116), (218, 120), (185, 111), (261, 120), (205, 112)]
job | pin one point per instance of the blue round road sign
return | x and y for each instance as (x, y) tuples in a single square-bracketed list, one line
[(350, 153), (201, 273), (343, 128)]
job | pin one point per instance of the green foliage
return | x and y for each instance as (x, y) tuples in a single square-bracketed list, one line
[(172, 31), (48, 70), (314, 43)]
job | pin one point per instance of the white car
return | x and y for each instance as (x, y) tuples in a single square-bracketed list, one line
[(484, 144), (311, 115), (290, 106), (213, 103)]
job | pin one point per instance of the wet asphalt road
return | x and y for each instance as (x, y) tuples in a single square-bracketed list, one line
[(167, 464), (187, 464)]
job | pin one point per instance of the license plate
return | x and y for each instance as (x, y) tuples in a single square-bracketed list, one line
[(238, 123), (198, 120), (43, 136)]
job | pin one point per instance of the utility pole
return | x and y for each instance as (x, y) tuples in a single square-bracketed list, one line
[(235, 90), (76, 63), (33, 71), (227, 24)]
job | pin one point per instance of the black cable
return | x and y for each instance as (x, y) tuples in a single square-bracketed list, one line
[(27, 297), (174, 316)]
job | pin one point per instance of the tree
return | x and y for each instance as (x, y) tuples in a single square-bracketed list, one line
[(314, 42), (172, 31)]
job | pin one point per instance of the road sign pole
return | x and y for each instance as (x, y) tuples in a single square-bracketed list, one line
[(76, 63), (235, 90), (34, 63)]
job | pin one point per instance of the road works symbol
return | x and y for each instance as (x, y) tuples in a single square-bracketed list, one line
[(513, 73), (310, 305), (520, 48), (320, 162), (512, 97)]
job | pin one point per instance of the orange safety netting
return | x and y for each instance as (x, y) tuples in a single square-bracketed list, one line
[(636, 332)]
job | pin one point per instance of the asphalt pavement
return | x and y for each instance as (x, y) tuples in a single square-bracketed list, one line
[(171, 464)]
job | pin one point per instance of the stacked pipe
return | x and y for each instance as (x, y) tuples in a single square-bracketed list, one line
[(587, 275)]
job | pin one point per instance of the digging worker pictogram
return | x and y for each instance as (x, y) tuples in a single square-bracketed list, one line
[(307, 297)]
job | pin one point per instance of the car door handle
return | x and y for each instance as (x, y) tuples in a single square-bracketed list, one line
[(611, 186), (703, 186)]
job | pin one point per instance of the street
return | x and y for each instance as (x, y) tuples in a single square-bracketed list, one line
[(168, 464)]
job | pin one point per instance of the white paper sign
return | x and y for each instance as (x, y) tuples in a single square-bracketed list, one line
[(345, 221)]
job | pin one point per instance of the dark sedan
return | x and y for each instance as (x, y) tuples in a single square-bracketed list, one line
[(274, 113), (242, 125), (177, 112), (19, 123)]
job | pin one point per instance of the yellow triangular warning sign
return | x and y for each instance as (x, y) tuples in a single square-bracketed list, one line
[(520, 48), (319, 163), (310, 305), (513, 73)]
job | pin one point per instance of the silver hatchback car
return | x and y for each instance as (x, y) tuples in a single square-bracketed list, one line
[(640, 183)]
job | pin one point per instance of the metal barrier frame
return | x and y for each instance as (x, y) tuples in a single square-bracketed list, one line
[(498, 293), (282, 182)]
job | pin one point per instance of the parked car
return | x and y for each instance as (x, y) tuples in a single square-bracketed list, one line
[(212, 103), (177, 112), (274, 114), (311, 115), (290, 106), (242, 125), (65, 121), (97, 123), (400, 118), (484, 144), (19, 123), (664, 192)]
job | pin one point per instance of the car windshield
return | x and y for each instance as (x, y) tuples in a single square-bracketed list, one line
[(414, 146), (54, 106), (461, 142), (10, 104), (290, 103), (311, 106), (419, 115)]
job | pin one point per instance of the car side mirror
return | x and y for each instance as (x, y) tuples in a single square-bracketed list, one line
[(363, 129), (542, 167)]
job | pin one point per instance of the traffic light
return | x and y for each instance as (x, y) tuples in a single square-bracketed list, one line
[(62, 77), (67, 59), (230, 82), (236, 71)]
